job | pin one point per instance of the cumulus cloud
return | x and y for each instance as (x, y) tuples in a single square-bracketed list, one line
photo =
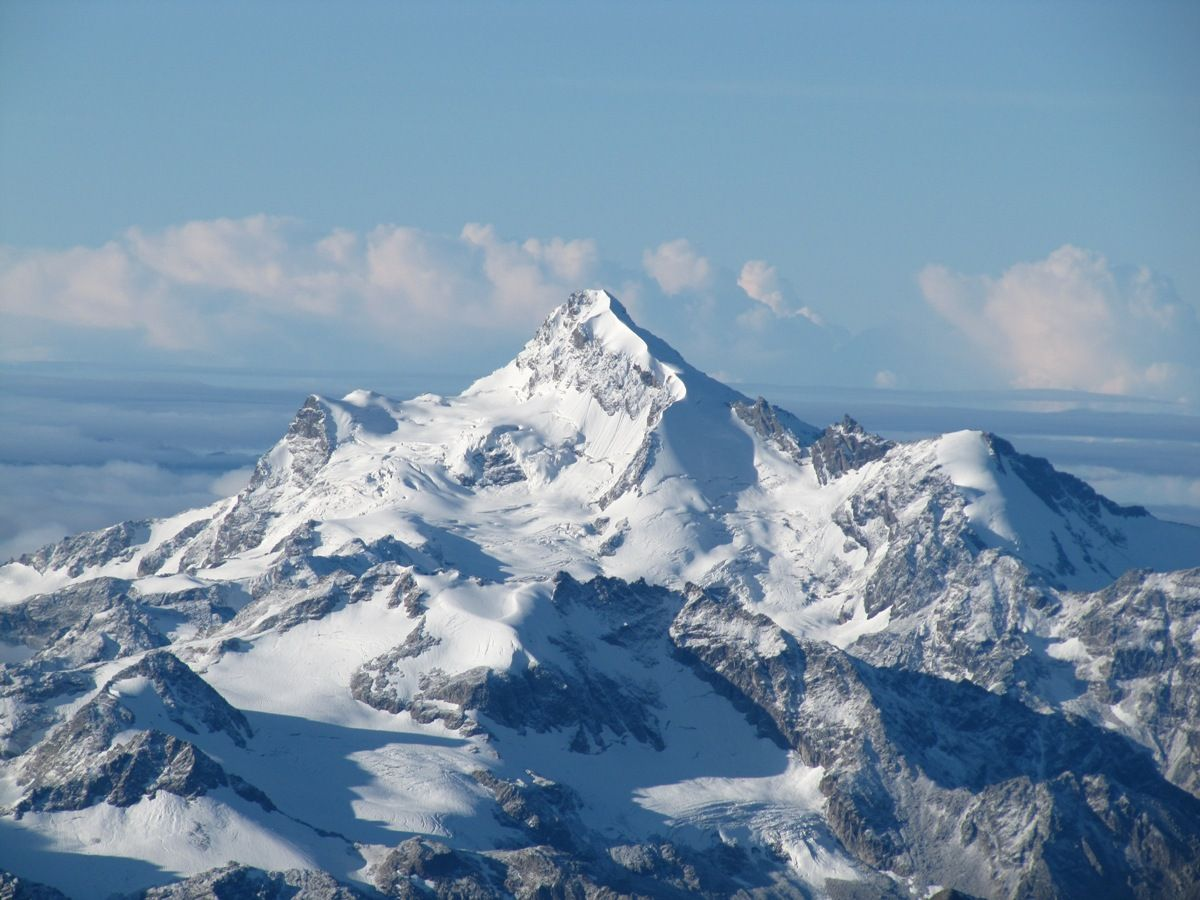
[(202, 283), (677, 267), (761, 282), (1073, 321)]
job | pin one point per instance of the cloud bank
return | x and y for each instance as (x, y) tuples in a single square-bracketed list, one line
[(677, 267), (1073, 321), (196, 285), (761, 282), (266, 291)]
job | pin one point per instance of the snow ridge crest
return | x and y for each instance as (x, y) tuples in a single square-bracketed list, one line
[(591, 345)]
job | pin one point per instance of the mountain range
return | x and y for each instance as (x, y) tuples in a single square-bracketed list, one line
[(603, 626)]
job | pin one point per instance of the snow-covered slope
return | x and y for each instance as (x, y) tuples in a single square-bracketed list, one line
[(603, 623)]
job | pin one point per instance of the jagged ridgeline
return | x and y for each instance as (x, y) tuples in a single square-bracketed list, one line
[(602, 626)]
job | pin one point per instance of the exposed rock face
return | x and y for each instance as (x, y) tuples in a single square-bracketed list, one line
[(152, 562), (187, 698), (565, 350), (844, 447), (1060, 491), (493, 461), (238, 882), (27, 694), (425, 868), (575, 863), (107, 618), (78, 553), (108, 752), (539, 698), (13, 887), (777, 427), (944, 777), (125, 773), (290, 467), (1142, 656)]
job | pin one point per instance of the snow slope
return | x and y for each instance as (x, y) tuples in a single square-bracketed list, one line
[(598, 603)]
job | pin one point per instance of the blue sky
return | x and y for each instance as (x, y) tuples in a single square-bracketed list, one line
[(928, 196), (847, 145)]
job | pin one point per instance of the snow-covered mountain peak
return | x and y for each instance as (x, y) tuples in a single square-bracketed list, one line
[(1055, 522), (601, 625), (590, 345)]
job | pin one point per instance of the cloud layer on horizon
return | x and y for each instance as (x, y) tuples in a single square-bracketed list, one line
[(267, 290), (1074, 321), (201, 285)]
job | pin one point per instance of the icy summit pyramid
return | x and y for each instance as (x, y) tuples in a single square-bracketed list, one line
[(603, 626)]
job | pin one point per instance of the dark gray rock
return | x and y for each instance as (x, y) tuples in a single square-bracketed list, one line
[(844, 447), (1141, 633), (547, 812), (407, 593), (80, 763), (105, 618), (539, 698), (93, 548), (153, 561), (14, 887), (188, 699), (973, 790), (87, 622), (238, 882), (1062, 492), (421, 868), (30, 694), (631, 478), (491, 463), (309, 442), (778, 427), (577, 698), (149, 762)]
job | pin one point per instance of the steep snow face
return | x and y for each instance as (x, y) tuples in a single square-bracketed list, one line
[(602, 609), (1054, 522)]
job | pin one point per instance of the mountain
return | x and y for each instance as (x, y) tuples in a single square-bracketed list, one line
[(602, 626)]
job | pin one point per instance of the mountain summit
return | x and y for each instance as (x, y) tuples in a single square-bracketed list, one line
[(603, 626)]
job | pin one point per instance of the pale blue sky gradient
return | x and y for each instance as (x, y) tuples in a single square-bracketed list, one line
[(849, 144)]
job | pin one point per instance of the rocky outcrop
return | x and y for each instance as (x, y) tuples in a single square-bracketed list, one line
[(148, 762), (776, 426), (187, 699), (239, 882), (108, 752), (289, 467), (93, 548), (845, 447), (107, 618), (13, 887), (970, 788)]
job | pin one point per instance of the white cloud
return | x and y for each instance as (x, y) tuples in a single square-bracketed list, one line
[(677, 267), (573, 261), (532, 277), (761, 282), (244, 255), (1073, 321), (205, 283), (885, 378)]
